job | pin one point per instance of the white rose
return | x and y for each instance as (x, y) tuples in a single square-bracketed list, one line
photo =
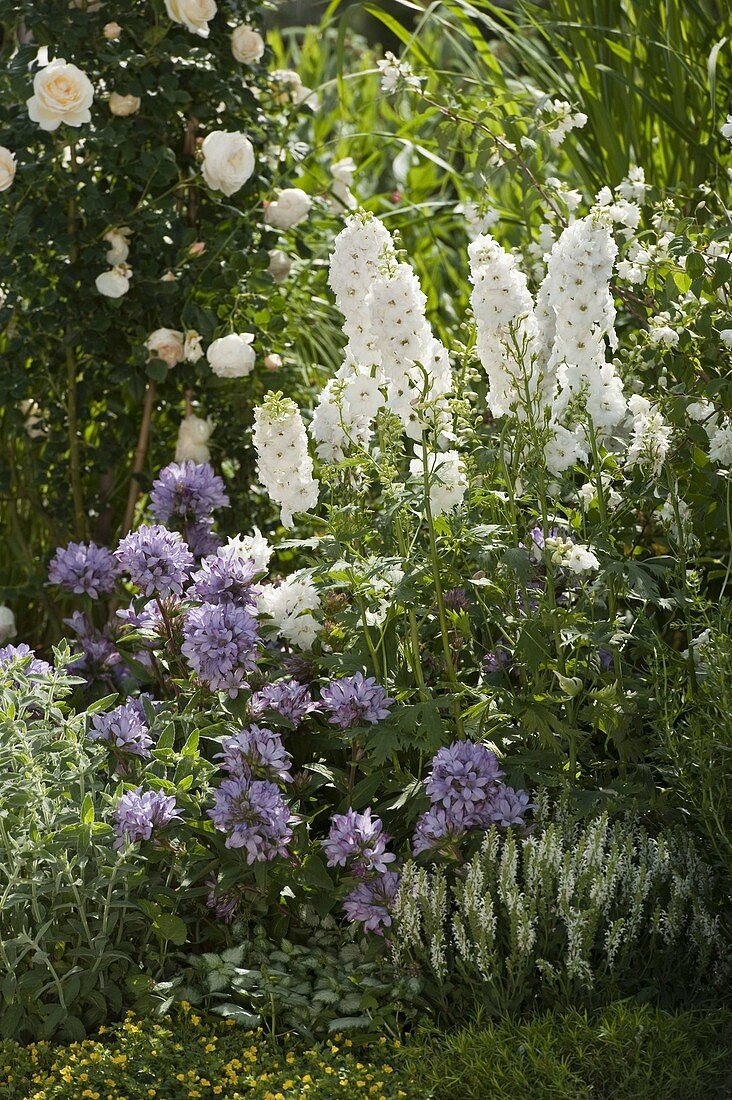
[(166, 344), (289, 88), (228, 161), (192, 350), (124, 105), (279, 265), (247, 45), (193, 14), (112, 31), (291, 207), (7, 624), (114, 283), (7, 168), (119, 249), (193, 435), (61, 93), (232, 356)]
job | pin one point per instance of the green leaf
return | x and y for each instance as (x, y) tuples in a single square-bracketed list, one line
[(87, 810), (170, 927)]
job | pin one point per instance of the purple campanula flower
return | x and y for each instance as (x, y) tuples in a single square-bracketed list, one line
[(463, 777), (508, 807), (86, 569), (34, 667), (455, 599), (123, 728), (201, 538), (287, 698), (100, 659), (435, 828), (157, 560), (371, 902), (606, 657), (256, 753), (224, 906), (255, 816), (499, 660), (357, 839), (147, 618), (188, 491), (139, 814), (224, 577), (353, 700), (221, 645)]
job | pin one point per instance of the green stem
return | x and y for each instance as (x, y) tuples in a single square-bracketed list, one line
[(439, 597), (411, 616)]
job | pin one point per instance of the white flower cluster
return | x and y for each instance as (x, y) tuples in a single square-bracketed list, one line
[(342, 197), (193, 436), (445, 476), (552, 351), (563, 121), (507, 331), (283, 464), (116, 282), (232, 356), (392, 357), (291, 605), (397, 75), (174, 347), (7, 168), (252, 547), (650, 436)]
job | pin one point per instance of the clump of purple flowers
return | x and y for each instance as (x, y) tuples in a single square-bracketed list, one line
[(221, 645), (100, 659), (256, 753), (370, 903), (86, 569), (358, 840), (123, 729), (34, 667), (255, 816), (463, 777), (465, 789), (224, 906), (139, 814), (188, 491), (201, 538), (353, 700), (157, 560), (291, 700), (224, 577)]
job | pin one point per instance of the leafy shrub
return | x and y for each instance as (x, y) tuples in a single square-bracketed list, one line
[(624, 1052), (333, 982), (189, 1056), (572, 913), (70, 931)]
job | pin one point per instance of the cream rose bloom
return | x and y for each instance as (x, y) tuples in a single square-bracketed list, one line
[(280, 265), (114, 283), (118, 240), (192, 350), (193, 435), (291, 206), (247, 45), (166, 344), (228, 161), (61, 93), (193, 14), (7, 624), (124, 105), (7, 168), (232, 356)]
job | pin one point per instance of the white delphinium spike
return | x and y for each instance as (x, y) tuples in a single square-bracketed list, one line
[(651, 436), (507, 330), (358, 251), (284, 465), (576, 291)]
